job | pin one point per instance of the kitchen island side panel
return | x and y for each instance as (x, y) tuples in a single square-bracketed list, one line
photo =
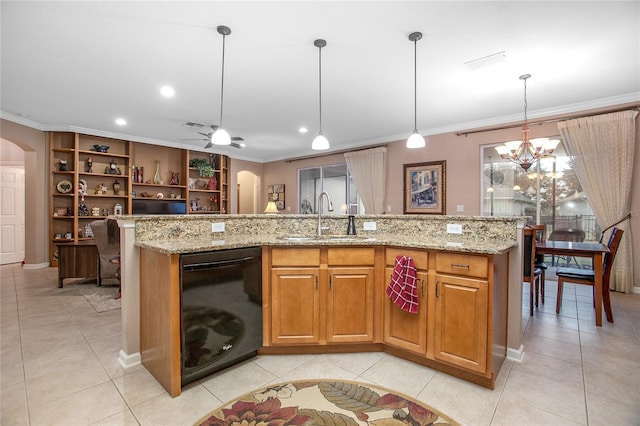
[(160, 317)]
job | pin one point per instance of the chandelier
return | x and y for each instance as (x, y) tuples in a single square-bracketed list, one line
[(526, 152)]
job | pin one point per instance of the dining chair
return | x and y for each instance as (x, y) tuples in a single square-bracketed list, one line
[(586, 276), (540, 233), (530, 273)]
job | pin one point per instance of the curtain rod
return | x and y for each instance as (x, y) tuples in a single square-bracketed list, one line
[(556, 120), (291, 160)]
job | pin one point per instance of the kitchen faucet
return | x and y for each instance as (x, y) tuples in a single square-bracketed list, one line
[(320, 209)]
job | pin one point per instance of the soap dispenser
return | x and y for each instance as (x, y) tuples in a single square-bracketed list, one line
[(351, 227)]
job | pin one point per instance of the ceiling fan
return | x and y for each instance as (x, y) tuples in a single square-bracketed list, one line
[(207, 138)]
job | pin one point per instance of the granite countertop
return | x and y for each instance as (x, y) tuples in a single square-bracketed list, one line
[(223, 242)]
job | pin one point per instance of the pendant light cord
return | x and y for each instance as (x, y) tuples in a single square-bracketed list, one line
[(415, 85), (320, 84), (525, 100), (224, 38)]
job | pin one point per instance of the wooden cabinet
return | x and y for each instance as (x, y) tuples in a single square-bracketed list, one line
[(320, 295), (208, 194), (295, 306), (101, 167), (403, 329), (462, 310), (77, 260)]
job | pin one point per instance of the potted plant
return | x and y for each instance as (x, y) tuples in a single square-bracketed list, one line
[(202, 166)]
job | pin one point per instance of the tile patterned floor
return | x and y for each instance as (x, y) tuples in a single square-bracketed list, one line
[(59, 367)]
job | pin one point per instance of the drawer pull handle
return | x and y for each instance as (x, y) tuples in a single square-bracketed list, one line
[(330, 276), (422, 286), (459, 265), (437, 288), (316, 282)]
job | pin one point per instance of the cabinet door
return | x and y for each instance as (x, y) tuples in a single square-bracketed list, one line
[(403, 329), (350, 305), (461, 312), (295, 306)]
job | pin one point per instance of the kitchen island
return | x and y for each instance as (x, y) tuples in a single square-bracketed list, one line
[(461, 327)]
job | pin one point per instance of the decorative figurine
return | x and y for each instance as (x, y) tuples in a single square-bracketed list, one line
[(174, 179), (105, 212), (63, 165), (95, 211), (101, 189), (89, 165), (117, 209)]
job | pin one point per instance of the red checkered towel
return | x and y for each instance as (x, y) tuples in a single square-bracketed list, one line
[(402, 289)]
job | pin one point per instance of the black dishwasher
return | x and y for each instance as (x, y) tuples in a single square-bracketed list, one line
[(221, 316)]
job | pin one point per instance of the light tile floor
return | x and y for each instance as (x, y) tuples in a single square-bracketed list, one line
[(59, 367)]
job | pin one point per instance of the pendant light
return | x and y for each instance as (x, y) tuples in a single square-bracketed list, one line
[(221, 136), (415, 140), (320, 142), (526, 152)]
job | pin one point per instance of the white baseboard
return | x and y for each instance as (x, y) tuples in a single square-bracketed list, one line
[(128, 360), (35, 265), (515, 354)]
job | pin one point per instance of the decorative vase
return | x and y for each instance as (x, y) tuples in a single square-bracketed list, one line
[(116, 187), (156, 178)]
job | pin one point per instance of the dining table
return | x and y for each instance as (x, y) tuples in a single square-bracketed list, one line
[(595, 251)]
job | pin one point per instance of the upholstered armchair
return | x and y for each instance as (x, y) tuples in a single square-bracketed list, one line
[(107, 237)]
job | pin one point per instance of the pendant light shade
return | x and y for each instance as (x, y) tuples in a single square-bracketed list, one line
[(415, 140), (320, 142), (221, 136)]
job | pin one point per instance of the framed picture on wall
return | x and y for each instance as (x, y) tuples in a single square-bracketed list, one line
[(276, 194), (425, 188)]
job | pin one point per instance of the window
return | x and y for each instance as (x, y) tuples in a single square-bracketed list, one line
[(336, 181), (551, 196)]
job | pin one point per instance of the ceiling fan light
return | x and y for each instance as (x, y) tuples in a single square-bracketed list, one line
[(320, 143), (220, 137), (415, 141)]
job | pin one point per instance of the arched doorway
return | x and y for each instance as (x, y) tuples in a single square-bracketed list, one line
[(248, 197)]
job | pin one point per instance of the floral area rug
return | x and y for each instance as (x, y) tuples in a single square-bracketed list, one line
[(326, 402), (102, 298)]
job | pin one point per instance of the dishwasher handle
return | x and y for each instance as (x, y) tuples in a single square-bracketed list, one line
[(220, 263)]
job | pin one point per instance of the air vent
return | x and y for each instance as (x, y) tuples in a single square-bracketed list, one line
[(193, 125), (486, 61)]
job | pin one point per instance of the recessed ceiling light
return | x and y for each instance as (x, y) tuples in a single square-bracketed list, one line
[(167, 91), (303, 130), (121, 121), (242, 144)]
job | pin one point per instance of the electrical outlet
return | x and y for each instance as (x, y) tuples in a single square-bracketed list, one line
[(460, 208), (454, 228), (217, 227), (369, 226)]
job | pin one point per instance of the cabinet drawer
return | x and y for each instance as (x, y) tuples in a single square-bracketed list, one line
[(295, 257), (420, 257), (344, 256), (462, 264)]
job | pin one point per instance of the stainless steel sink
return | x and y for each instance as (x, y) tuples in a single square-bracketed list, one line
[(345, 238), (297, 238)]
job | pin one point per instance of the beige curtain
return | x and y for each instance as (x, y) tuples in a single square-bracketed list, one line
[(603, 147), (368, 169)]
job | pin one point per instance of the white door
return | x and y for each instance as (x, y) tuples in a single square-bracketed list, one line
[(11, 214)]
